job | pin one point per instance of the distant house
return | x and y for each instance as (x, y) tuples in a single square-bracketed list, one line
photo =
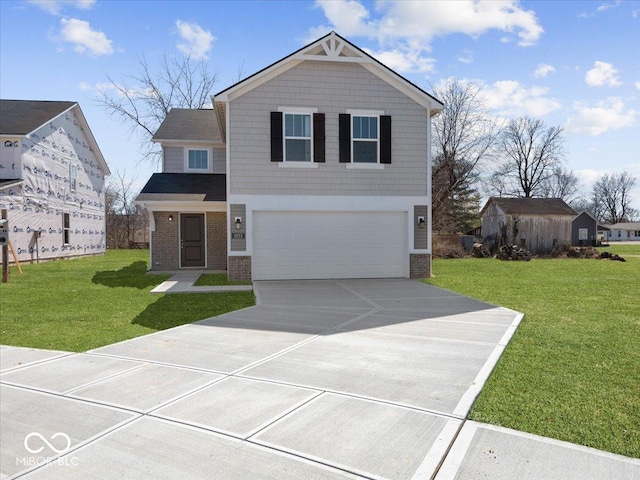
[(626, 231), (52, 176), (534, 223), (584, 230)]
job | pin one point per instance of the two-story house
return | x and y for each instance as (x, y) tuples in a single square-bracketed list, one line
[(52, 177), (317, 166)]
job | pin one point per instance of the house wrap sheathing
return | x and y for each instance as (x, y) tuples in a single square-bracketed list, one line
[(52, 182)]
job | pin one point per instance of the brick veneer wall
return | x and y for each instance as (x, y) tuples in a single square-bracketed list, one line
[(419, 265), (217, 240), (164, 242), (239, 268)]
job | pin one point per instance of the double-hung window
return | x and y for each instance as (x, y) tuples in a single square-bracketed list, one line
[(297, 137), (364, 132), (198, 159), (364, 138)]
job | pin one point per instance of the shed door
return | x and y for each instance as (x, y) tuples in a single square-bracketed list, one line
[(192, 242), (299, 245)]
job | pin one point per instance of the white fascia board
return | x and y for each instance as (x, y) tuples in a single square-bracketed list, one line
[(92, 139), (335, 203), (406, 88), (184, 142), (178, 206), (261, 78)]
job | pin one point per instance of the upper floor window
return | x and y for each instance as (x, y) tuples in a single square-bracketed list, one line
[(73, 174), (365, 139), (297, 137), (198, 160)]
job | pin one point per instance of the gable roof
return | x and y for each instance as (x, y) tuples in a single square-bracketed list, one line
[(187, 124), (531, 206), (21, 117), (206, 187), (625, 226), (332, 48)]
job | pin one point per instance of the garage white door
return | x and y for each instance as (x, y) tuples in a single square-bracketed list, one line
[(288, 245)]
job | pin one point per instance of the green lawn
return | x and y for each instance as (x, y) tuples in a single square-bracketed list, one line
[(77, 305), (216, 279), (572, 369), (621, 249)]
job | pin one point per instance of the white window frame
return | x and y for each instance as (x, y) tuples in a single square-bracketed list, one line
[(371, 114), (296, 111), (66, 230), (583, 234), (209, 151), (73, 177)]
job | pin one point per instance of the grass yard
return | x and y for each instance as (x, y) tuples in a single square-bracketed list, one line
[(621, 249), (77, 305), (216, 279), (572, 369)]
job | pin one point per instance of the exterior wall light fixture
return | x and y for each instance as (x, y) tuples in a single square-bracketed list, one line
[(421, 222), (171, 218), (238, 222)]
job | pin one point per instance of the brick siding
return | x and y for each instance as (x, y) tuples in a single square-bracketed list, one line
[(217, 240), (164, 242), (420, 265), (239, 268)]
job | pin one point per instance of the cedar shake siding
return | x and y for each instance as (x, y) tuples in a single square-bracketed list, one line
[(330, 89)]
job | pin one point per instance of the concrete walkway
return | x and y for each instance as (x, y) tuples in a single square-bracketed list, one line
[(183, 282), (323, 379)]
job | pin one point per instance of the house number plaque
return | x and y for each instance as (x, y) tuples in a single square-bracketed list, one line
[(237, 235)]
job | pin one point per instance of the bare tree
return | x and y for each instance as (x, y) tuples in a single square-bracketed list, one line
[(561, 183), (612, 197), (531, 152), (123, 217), (463, 138), (143, 100)]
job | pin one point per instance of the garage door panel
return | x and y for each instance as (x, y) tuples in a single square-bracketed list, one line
[(288, 245)]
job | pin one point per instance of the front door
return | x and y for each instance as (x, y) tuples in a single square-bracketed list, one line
[(192, 251)]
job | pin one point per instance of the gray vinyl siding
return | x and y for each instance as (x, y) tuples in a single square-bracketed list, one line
[(237, 244), (419, 233), (333, 89), (219, 160), (173, 161)]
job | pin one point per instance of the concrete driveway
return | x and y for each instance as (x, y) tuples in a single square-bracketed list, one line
[(322, 379)]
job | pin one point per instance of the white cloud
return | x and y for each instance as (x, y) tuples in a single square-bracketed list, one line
[(609, 114), (84, 38), (543, 70), (509, 99), (404, 60), (55, 6), (196, 42), (84, 86), (602, 74), (466, 56), (404, 30), (637, 84)]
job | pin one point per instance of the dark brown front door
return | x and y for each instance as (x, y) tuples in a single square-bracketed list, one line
[(192, 240)]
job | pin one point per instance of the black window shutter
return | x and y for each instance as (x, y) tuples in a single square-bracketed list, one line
[(318, 137), (276, 136), (385, 139), (344, 127)]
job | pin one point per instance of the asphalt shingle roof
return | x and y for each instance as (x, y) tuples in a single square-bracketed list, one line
[(20, 117), (532, 206), (187, 124), (212, 185)]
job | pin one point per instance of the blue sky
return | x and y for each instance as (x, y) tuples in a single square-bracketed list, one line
[(570, 63)]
